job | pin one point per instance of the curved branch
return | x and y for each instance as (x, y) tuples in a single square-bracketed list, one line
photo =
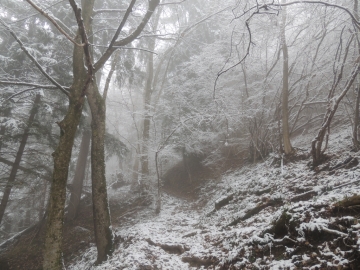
[(265, 8), (21, 92), (152, 5), (46, 15), (172, 3), (357, 23), (239, 62)]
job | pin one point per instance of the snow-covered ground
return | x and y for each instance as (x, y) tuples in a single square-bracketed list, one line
[(245, 231)]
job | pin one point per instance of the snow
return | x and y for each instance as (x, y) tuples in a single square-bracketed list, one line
[(203, 233), (283, 264)]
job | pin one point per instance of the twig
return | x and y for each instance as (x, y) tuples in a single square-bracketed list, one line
[(239, 62), (357, 23), (20, 93), (172, 3)]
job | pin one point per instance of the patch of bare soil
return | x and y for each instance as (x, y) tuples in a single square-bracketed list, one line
[(185, 180)]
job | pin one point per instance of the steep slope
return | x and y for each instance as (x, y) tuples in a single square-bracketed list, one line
[(271, 215)]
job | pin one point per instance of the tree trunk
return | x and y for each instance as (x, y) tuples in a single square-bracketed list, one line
[(146, 123), (135, 171), (102, 222), (316, 145), (18, 157), (62, 155), (54, 226), (77, 185), (27, 220), (285, 88), (5, 112), (84, 84), (78, 182), (355, 139), (147, 107), (42, 202)]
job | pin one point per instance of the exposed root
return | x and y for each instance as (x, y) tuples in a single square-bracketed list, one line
[(223, 201), (257, 209), (304, 196), (170, 248), (197, 262)]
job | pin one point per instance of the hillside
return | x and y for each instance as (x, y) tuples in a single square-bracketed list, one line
[(261, 216)]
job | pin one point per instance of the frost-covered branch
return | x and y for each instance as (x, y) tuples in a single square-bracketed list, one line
[(316, 144), (53, 21), (357, 23), (126, 48), (20, 93), (223, 70), (31, 84), (99, 11), (32, 58), (266, 8), (157, 36), (172, 3)]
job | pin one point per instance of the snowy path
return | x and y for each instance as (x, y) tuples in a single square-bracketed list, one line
[(176, 220), (185, 237)]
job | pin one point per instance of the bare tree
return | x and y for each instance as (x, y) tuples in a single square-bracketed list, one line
[(285, 88)]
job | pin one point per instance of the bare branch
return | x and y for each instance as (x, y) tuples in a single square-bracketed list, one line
[(163, 144), (152, 5), (122, 23), (53, 21), (99, 11), (239, 62), (127, 48), (172, 3), (357, 23), (21, 92), (183, 33), (260, 9), (31, 84), (112, 70), (35, 14), (23, 48), (159, 36)]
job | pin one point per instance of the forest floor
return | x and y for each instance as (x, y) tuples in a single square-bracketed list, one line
[(269, 215), (261, 216)]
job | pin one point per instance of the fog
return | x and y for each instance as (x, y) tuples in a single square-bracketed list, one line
[(142, 108)]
